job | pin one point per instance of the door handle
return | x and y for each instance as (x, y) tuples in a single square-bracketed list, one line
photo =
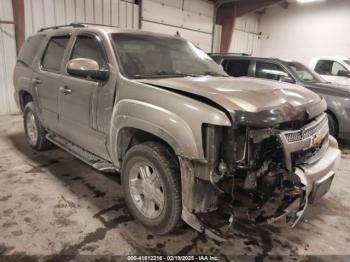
[(65, 90), (36, 81)]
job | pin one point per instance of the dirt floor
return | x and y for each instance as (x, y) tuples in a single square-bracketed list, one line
[(52, 204)]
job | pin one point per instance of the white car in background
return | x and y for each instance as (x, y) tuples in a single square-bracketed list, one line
[(334, 69)]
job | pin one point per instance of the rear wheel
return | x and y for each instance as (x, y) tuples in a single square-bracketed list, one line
[(151, 183), (35, 133), (333, 125)]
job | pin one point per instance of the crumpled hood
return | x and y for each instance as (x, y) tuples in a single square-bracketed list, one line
[(244, 97)]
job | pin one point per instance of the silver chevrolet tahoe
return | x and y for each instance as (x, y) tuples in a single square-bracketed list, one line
[(187, 139)]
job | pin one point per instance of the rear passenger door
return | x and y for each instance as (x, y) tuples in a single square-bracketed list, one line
[(47, 77), (78, 106), (237, 67)]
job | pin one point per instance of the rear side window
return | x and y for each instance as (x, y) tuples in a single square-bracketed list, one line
[(237, 67), (29, 49), (269, 71), (54, 53), (88, 47)]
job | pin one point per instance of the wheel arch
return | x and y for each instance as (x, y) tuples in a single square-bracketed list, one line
[(134, 118), (130, 136), (24, 98), (330, 112)]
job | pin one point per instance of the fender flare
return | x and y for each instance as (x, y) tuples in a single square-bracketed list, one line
[(157, 121)]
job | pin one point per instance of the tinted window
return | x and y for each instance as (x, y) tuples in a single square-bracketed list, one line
[(54, 53), (30, 48), (236, 68), (269, 71), (88, 47), (303, 73), (328, 67)]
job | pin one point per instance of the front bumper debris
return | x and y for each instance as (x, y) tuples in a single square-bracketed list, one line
[(315, 181)]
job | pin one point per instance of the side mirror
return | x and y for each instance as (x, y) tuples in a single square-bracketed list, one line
[(343, 73), (83, 67), (287, 79)]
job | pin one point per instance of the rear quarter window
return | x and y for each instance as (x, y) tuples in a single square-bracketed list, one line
[(30, 49), (237, 67)]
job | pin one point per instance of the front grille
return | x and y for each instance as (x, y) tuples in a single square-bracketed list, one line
[(307, 144), (306, 132)]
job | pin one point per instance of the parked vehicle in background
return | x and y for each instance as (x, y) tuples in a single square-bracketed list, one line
[(186, 138), (334, 69), (337, 96)]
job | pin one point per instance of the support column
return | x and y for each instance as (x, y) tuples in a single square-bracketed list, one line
[(18, 17)]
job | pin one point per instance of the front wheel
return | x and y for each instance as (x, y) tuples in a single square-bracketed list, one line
[(151, 183)]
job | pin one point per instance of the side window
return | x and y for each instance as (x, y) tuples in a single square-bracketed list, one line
[(54, 53), (269, 71), (88, 47), (30, 48), (236, 68), (336, 68), (328, 67)]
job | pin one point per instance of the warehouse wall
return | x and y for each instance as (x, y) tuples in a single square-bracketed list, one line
[(245, 37), (306, 30), (39, 13), (7, 58), (193, 19)]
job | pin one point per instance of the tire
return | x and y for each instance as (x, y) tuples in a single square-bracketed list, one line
[(161, 163), (333, 125), (35, 133)]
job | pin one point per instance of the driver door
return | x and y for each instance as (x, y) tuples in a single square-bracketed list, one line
[(78, 98)]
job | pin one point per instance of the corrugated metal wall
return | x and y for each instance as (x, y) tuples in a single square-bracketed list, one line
[(245, 38), (193, 19), (7, 58), (41, 13)]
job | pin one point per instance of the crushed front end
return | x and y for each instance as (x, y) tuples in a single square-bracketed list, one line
[(268, 174)]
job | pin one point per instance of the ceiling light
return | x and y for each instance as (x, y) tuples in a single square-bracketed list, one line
[(308, 1)]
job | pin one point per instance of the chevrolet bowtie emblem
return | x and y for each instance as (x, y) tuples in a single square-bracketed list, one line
[(317, 139)]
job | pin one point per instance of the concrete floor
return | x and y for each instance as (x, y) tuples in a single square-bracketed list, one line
[(53, 204)]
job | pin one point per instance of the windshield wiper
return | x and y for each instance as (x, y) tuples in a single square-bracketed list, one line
[(165, 74), (162, 72), (209, 73)]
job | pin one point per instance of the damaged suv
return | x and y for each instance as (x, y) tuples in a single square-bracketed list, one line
[(186, 138)]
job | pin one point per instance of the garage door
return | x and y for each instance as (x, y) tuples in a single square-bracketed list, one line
[(193, 19), (7, 58), (38, 13)]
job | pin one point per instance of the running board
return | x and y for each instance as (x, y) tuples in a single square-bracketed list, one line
[(85, 156)]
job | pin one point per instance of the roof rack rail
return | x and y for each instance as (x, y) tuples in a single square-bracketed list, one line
[(61, 26), (96, 24), (77, 24)]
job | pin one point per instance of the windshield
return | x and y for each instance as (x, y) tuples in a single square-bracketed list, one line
[(303, 73), (347, 61), (144, 56)]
